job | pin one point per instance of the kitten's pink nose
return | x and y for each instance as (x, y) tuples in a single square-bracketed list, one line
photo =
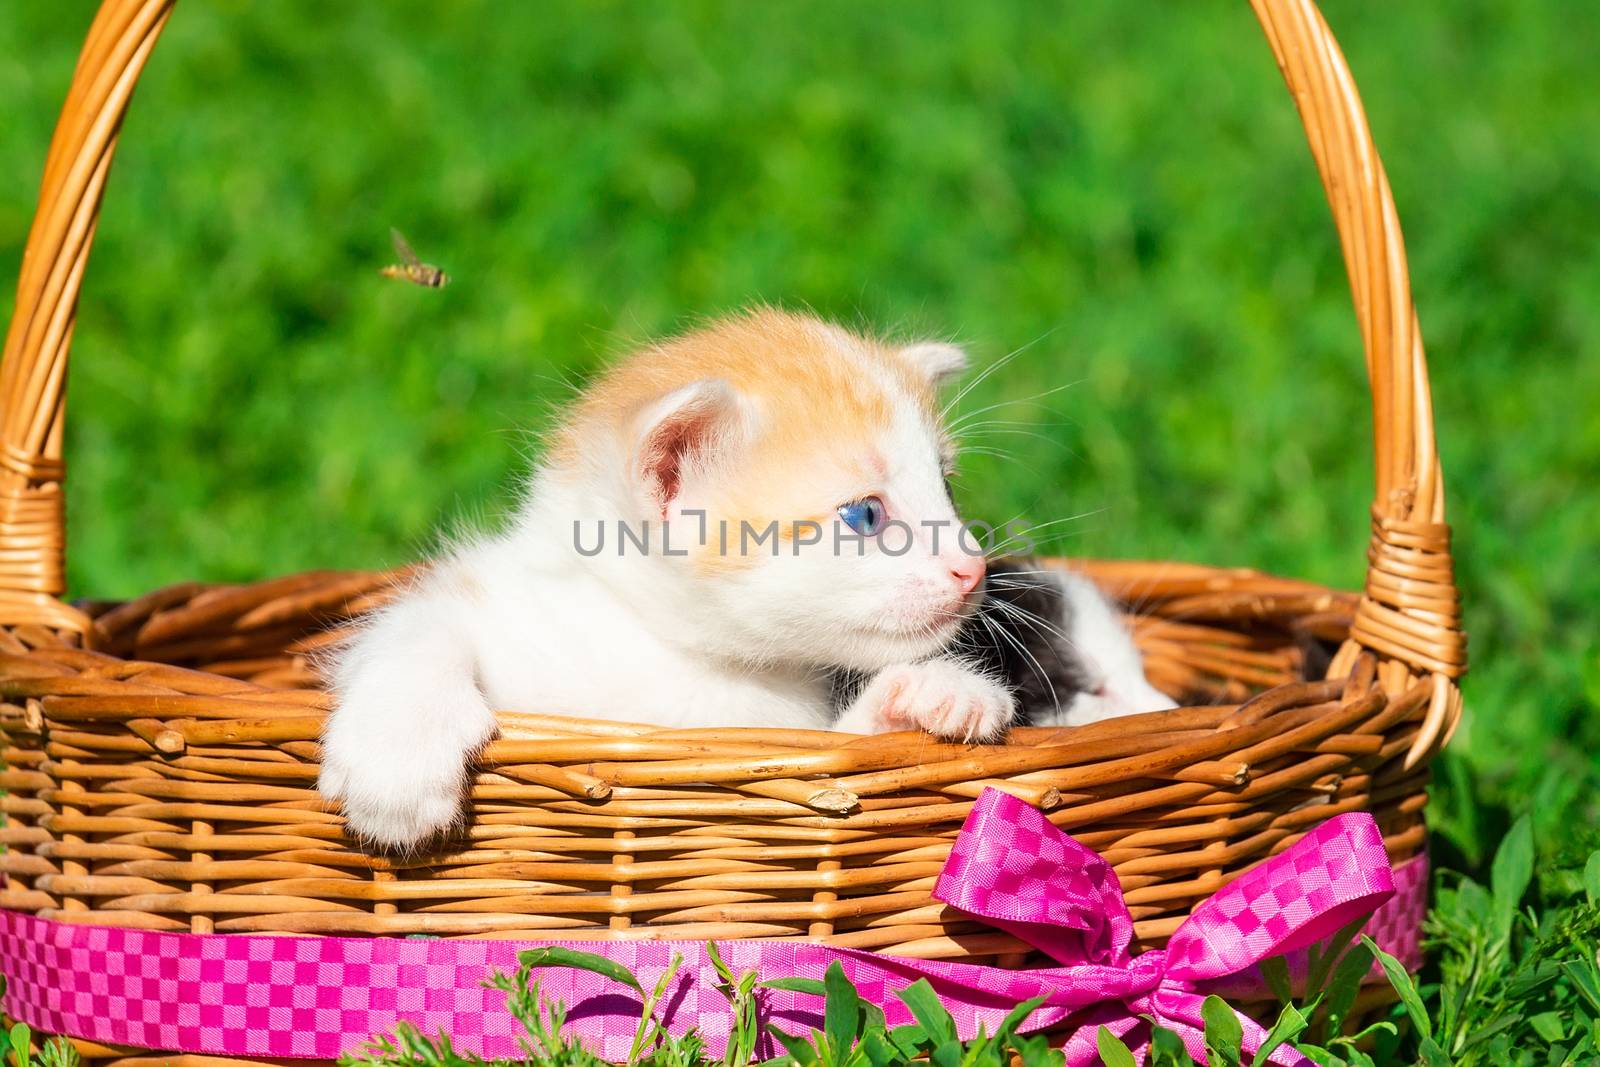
[(967, 571)]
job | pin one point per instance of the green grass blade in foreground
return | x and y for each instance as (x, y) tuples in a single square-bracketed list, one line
[(1510, 875), (1400, 978), (557, 956), (1224, 1035), (1113, 1053)]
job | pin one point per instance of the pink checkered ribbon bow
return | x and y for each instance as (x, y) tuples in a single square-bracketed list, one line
[(1016, 871), (269, 996)]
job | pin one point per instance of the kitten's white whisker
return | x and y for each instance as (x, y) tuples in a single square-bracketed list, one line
[(944, 412), (967, 435), (1030, 618), (978, 450), (1016, 643), (1028, 536), (1010, 403)]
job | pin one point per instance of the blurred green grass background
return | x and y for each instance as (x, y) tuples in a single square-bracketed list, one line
[(1122, 187)]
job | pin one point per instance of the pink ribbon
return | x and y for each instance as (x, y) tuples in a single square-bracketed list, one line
[(1015, 870), (316, 997)]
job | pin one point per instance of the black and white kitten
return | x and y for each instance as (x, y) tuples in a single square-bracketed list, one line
[(1053, 639)]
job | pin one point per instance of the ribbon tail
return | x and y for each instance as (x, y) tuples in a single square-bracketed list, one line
[(1335, 874)]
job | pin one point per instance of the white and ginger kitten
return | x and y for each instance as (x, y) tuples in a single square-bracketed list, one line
[(767, 417)]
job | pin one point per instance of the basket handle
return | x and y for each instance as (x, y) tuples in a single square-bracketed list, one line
[(1410, 615)]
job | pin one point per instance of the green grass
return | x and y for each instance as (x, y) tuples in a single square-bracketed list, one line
[(1122, 186)]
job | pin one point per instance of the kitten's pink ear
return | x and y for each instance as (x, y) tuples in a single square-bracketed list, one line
[(687, 432), (938, 361)]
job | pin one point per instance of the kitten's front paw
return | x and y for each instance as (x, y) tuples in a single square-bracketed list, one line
[(399, 788), (941, 696), (386, 812)]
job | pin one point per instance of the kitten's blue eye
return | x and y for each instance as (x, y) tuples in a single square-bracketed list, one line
[(865, 516)]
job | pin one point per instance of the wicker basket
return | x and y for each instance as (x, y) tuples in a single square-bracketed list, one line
[(162, 753)]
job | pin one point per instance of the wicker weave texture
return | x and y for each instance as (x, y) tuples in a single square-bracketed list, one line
[(182, 797)]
